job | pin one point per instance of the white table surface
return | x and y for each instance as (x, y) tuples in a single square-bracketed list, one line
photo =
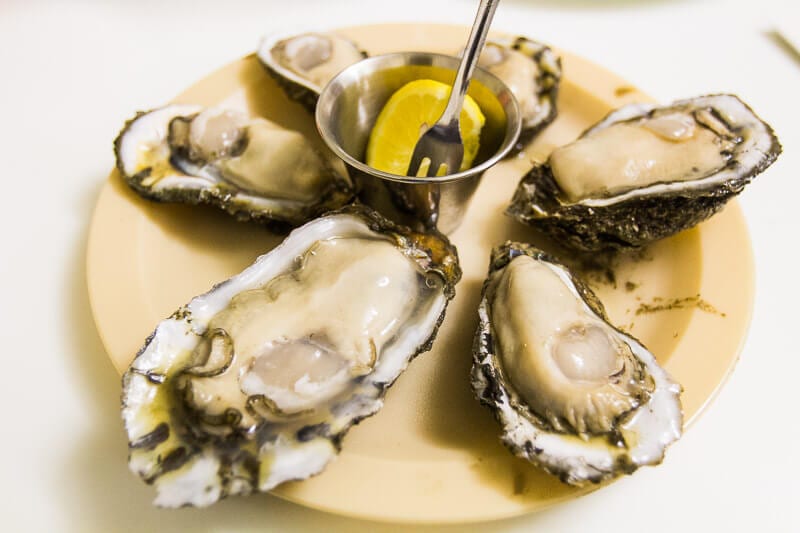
[(72, 72)]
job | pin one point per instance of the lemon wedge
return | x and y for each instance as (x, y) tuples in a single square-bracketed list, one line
[(408, 114)]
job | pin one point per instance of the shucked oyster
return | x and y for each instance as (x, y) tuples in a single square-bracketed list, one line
[(532, 71), (573, 394), (303, 64), (257, 381), (249, 167), (646, 172)]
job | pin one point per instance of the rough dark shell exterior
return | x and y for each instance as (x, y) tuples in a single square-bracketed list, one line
[(633, 221), (297, 92), (628, 224), (226, 197)]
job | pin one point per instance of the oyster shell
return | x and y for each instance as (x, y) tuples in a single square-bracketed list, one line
[(645, 172), (249, 167), (257, 381), (303, 64), (573, 394), (533, 72)]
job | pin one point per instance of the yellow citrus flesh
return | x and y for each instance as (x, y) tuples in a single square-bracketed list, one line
[(416, 106)]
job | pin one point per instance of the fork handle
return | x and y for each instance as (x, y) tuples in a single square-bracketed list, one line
[(477, 38)]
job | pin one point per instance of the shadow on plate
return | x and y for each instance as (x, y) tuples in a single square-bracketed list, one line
[(453, 416), (202, 228)]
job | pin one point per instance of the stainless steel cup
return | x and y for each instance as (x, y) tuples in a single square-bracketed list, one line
[(350, 104)]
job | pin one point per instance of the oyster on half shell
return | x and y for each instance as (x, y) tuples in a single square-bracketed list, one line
[(532, 72), (646, 172), (303, 64), (573, 394), (257, 381), (249, 167)]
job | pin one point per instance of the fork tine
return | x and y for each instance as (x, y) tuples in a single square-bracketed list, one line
[(442, 143), (422, 169), (434, 155)]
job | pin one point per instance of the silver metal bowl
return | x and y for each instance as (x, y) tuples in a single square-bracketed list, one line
[(349, 105)]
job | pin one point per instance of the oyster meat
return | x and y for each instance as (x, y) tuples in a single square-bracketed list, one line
[(250, 167), (573, 394), (532, 72), (646, 172), (256, 382), (303, 64)]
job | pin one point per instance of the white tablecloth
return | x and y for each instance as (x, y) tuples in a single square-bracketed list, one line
[(72, 72)]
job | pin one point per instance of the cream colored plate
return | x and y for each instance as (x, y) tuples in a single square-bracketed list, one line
[(432, 454)]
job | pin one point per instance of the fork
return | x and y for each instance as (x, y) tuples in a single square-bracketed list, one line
[(440, 150)]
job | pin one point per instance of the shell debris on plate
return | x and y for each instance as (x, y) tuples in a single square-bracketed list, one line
[(256, 382), (247, 166), (646, 172), (573, 394)]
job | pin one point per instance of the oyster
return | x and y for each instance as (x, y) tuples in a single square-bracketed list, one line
[(573, 394), (645, 172), (303, 64), (256, 382), (532, 71), (249, 167)]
